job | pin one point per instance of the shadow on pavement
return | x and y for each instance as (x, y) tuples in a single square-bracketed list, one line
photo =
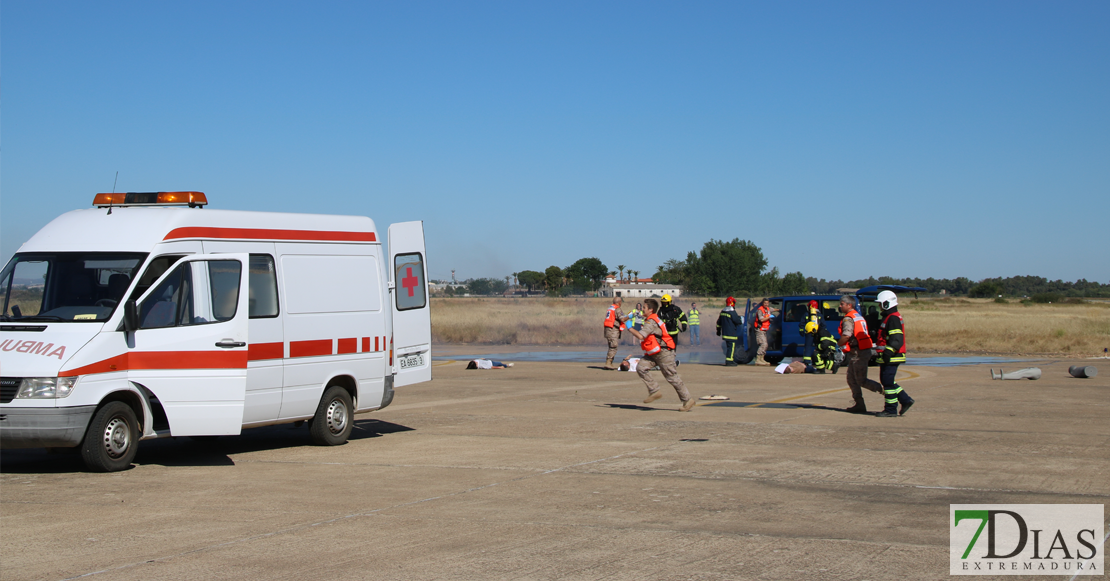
[(626, 406), (186, 451)]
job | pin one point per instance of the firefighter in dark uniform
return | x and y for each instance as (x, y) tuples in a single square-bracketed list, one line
[(892, 353), (824, 355), (808, 326), (729, 326), (673, 318)]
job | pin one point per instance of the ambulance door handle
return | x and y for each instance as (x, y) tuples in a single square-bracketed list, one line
[(230, 344)]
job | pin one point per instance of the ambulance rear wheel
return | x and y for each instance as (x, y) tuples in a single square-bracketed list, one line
[(334, 419), (112, 438)]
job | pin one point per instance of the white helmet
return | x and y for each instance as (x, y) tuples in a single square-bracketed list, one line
[(887, 300)]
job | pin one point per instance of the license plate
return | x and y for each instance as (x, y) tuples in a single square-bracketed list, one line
[(411, 361)]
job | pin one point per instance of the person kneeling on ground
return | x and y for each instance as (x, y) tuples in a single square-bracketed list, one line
[(487, 364), (658, 349)]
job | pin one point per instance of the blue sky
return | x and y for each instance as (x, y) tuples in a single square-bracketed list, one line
[(935, 139)]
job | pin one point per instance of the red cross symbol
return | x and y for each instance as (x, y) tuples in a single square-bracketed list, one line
[(410, 281)]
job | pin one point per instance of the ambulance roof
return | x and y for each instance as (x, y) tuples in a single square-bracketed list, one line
[(139, 229)]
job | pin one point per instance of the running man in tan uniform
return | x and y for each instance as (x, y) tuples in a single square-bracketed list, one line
[(658, 349)]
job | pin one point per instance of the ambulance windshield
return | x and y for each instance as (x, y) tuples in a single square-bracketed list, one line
[(66, 286)]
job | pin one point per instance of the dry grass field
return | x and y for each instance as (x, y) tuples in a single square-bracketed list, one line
[(933, 325)]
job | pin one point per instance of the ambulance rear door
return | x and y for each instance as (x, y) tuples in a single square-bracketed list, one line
[(408, 289)]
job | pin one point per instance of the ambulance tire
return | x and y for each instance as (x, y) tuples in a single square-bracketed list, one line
[(112, 438), (334, 419)]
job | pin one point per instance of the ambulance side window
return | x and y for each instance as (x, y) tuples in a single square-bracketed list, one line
[(195, 293), (263, 299), (155, 269)]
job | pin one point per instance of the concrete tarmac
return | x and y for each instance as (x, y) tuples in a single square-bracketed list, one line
[(557, 471)]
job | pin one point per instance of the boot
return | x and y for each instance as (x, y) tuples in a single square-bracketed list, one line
[(731, 364), (889, 411), (906, 403), (609, 363), (858, 408)]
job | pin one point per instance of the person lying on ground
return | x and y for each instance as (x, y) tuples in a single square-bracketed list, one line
[(487, 364)]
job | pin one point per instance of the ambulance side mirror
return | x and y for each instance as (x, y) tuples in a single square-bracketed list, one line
[(130, 316)]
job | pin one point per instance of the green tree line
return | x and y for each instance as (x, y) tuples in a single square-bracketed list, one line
[(1014, 286), (729, 268)]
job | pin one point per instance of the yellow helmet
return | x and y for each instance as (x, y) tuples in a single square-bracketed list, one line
[(666, 298), (811, 327)]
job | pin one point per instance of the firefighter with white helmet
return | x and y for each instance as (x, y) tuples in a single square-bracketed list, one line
[(891, 346)]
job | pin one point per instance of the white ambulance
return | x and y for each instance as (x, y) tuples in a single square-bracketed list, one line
[(148, 316)]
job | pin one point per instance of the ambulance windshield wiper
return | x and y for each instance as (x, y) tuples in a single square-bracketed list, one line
[(40, 318)]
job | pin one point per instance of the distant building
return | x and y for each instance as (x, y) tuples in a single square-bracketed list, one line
[(640, 289)]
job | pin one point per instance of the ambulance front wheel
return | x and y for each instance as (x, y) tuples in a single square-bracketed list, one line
[(332, 424), (112, 438)]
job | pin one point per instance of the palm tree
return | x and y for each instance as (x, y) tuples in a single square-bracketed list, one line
[(620, 267), (636, 275)]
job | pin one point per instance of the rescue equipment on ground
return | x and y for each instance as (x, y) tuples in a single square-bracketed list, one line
[(1027, 373)]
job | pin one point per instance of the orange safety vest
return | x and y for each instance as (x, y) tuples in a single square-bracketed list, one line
[(650, 344), (762, 326), (611, 318), (863, 338)]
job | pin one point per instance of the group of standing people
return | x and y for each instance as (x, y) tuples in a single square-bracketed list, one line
[(730, 325), (662, 321)]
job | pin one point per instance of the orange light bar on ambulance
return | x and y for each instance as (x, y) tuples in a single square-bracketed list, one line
[(191, 199)]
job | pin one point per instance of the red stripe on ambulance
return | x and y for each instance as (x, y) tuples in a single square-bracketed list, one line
[(310, 348), (164, 360), (267, 234), (347, 346), (260, 351)]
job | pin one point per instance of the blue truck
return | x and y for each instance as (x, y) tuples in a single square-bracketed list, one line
[(784, 337)]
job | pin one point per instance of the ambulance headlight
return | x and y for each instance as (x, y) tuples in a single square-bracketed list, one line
[(46, 387)]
